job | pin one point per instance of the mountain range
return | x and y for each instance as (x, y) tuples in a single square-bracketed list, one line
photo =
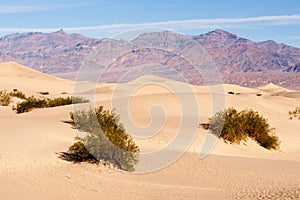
[(239, 60)]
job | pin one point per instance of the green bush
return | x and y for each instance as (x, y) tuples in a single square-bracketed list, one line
[(19, 94), (106, 139), (234, 127), (30, 104), (80, 151), (33, 102), (5, 99), (62, 101), (295, 113)]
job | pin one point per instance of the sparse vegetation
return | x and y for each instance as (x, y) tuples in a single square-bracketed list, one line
[(233, 93), (32, 102), (18, 94), (43, 93), (259, 95), (234, 127), (295, 113), (106, 140), (5, 98), (62, 101)]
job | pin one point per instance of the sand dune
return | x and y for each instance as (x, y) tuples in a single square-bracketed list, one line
[(16, 76), (30, 167)]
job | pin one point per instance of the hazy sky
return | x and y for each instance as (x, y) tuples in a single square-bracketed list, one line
[(258, 20)]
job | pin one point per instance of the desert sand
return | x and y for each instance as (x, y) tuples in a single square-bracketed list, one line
[(30, 143)]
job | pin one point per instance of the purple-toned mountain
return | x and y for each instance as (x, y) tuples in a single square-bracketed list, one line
[(47, 52), (239, 60), (234, 54)]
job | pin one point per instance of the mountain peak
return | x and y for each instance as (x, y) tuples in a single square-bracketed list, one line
[(220, 32), (218, 38), (60, 31)]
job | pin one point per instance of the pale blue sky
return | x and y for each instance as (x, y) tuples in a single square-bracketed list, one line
[(258, 20)]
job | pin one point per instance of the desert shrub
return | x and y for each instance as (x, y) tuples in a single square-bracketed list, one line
[(62, 101), (29, 104), (295, 113), (234, 127), (76, 100), (80, 151), (106, 139), (33, 102), (259, 95), (59, 101), (43, 93), (231, 92), (5, 99), (19, 94)]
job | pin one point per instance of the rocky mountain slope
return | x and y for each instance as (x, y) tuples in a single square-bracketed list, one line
[(49, 53), (239, 60), (234, 54)]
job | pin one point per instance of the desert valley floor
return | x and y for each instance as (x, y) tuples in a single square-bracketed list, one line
[(30, 143)]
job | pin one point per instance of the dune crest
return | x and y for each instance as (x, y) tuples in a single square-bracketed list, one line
[(16, 76)]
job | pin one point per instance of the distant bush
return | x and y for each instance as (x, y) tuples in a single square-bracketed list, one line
[(295, 113), (43, 93), (5, 99), (259, 95), (62, 101), (106, 139), (231, 92), (32, 102), (234, 126), (19, 94)]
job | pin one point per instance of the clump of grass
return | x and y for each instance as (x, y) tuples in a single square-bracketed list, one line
[(295, 113), (106, 140), (234, 127), (32, 102), (18, 94), (5, 98)]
